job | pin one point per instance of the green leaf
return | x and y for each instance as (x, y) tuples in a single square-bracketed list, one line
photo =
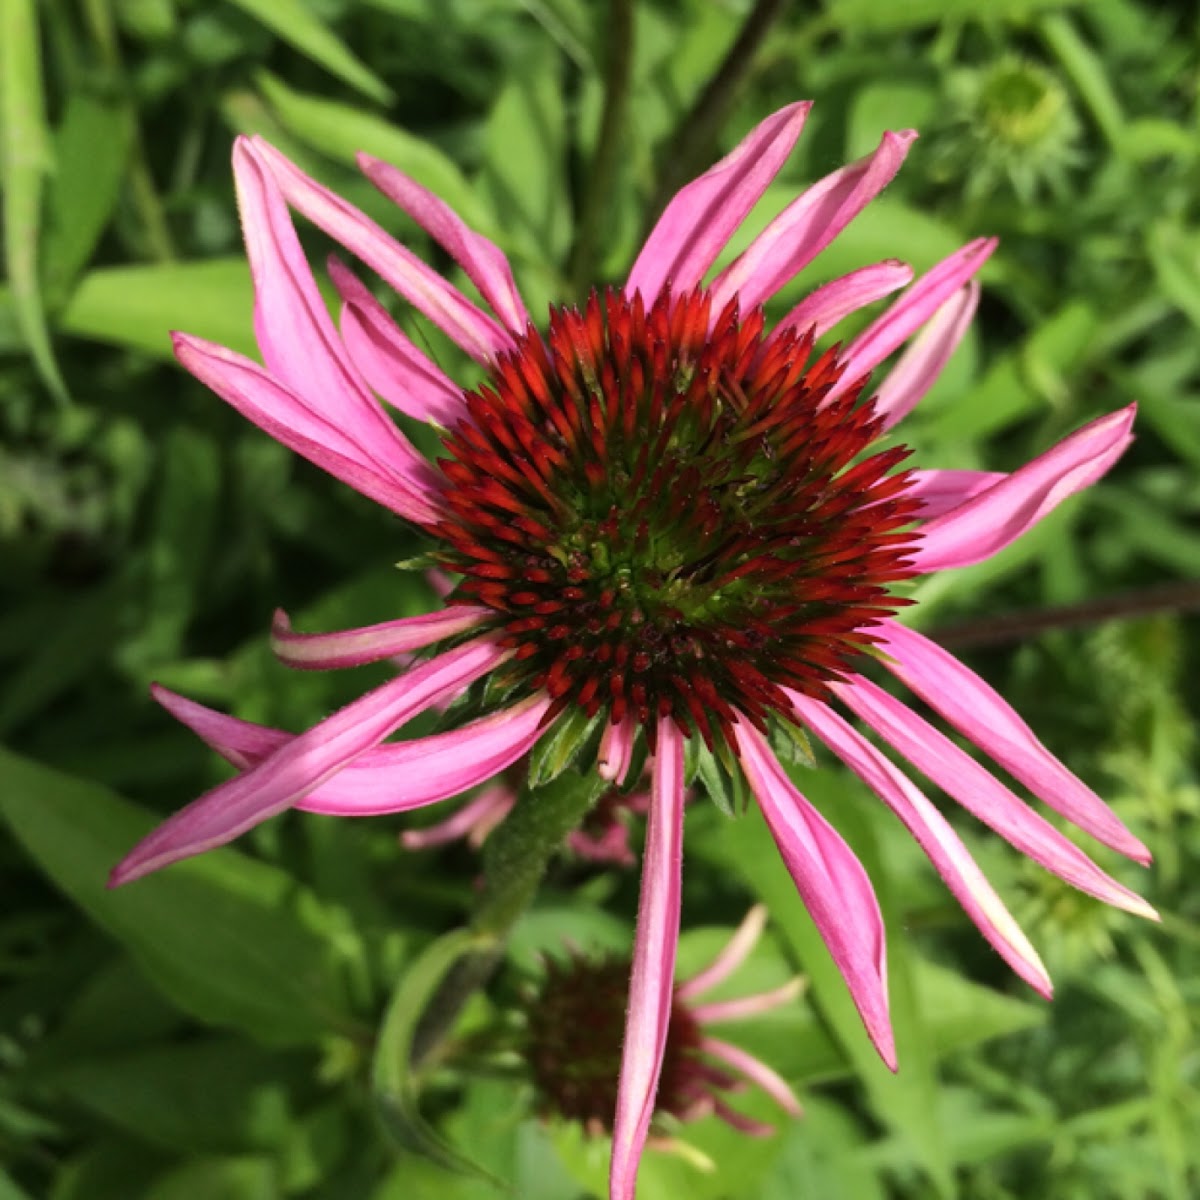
[(248, 1178), (298, 25), (870, 16), (138, 307), (91, 149), (340, 131), (25, 159), (396, 1087), (232, 941), (558, 748), (9, 1190), (1176, 259)]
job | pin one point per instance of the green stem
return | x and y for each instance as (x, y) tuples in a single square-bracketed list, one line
[(688, 149), (514, 860), (598, 188)]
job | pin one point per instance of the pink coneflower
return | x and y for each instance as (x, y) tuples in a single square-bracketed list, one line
[(575, 1028), (665, 514)]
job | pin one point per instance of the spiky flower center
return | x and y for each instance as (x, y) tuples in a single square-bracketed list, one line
[(669, 516), (575, 1032)]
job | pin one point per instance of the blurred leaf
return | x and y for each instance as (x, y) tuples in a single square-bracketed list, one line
[(1175, 256), (219, 1179), (229, 940), (1087, 71), (207, 1095), (9, 1190), (138, 307), (91, 150), (26, 158), (869, 16), (341, 131), (299, 26)]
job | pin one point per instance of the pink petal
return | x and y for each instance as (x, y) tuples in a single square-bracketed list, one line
[(919, 304), (616, 750), (823, 308), (394, 777), (831, 882), (371, 643), (407, 379), (757, 1072), (960, 776), (943, 491), (744, 940), (977, 711), (482, 260), (650, 987), (463, 322), (299, 344), (808, 225), (986, 524), (747, 1006), (484, 811), (702, 216), (409, 489), (933, 834), (291, 772), (918, 368)]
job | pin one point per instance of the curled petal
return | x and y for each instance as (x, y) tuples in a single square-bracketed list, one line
[(942, 491), (960, 776), (482, 260), (394, 777), (918, 305), (371, 643), (407, 379), (463, 322), (824, 307), (933, 834), (979, 713), (748, 1006), (808, 225), (291, 772), (986, 524), (918, 368), (757, 1072), (616, 750), (831, 882), (407, 487), (702, 216), (744, 940), (655, 944)]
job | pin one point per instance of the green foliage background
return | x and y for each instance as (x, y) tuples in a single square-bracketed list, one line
[(210, 1033)]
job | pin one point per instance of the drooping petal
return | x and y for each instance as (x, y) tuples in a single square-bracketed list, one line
[(791, 241), (299, 344), (464, 323), (960, 776), (481, 813), (394, 777), (941, 491), (978, 712), (918, 305), (655, 944), (757, 1072), (986, 524), (831, 882), (732, 956), (411, 491), (407, 379), (294, 770), (918, 368), (825, 306), (482, 260), (933, 834), (371, 643), (702, 216)]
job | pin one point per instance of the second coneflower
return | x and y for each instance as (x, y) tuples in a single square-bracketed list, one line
[(666, 517)]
